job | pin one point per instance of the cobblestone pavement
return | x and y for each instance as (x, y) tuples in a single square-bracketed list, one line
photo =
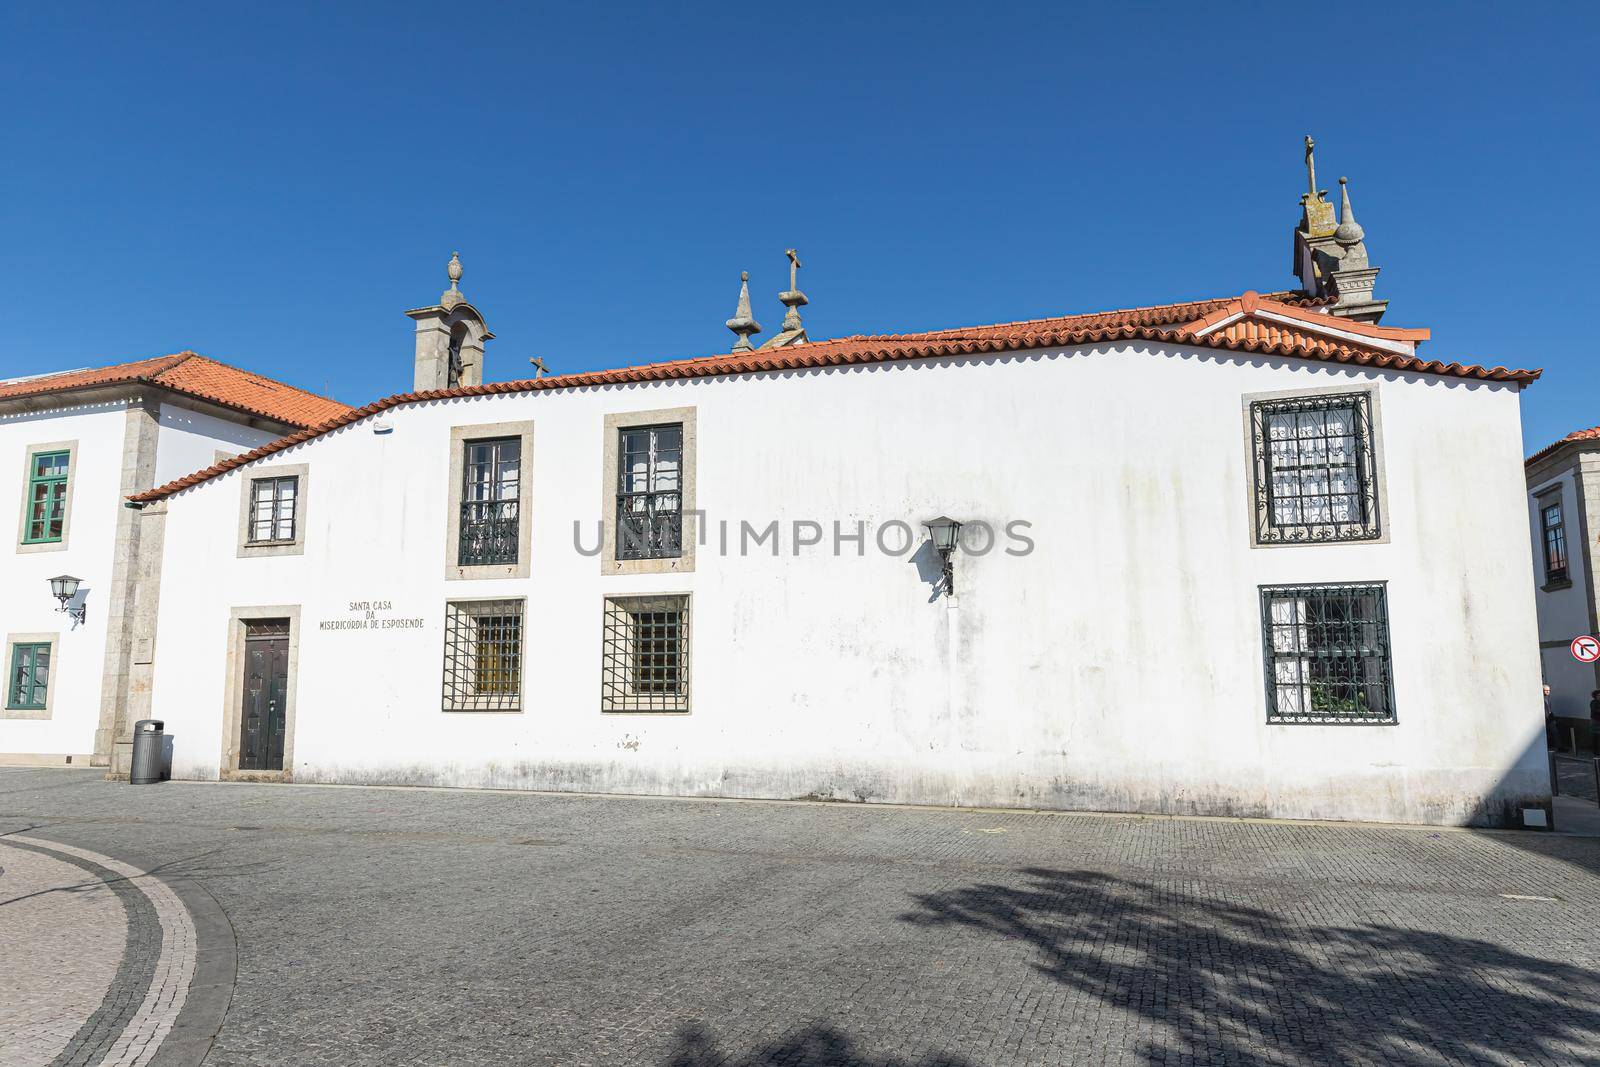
[(61, 936), (103, 957), (391, 926)]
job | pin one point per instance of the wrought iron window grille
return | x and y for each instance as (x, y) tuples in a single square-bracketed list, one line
[(273, 506), (1315, 473), (1555, 542), (483, 655), (645, 654), (1327, 654), (490, 491), (650, 492)]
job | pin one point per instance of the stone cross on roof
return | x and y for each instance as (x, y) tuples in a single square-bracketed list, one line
[(1319, 220)]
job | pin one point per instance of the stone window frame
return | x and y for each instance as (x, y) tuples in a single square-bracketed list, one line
[(28, 454), (611, 456), (234, 691), (296, 547), (686, 698), (485, 705), (1550, 497), (1380, 487), (459, 436), (52, 639)]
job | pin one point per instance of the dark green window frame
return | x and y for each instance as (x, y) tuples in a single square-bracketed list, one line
[(46, 502), (28, 682)]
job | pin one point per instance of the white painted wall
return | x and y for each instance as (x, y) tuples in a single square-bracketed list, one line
[(26, 605), (1119, 666), (190, 440)]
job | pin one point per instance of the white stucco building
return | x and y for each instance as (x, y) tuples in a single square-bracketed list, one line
[(73, 447), (1243, 555)]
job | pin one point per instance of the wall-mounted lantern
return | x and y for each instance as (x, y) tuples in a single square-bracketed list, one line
[(945, 533), (65, 588)]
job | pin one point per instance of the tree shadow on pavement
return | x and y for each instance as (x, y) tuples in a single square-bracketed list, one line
[(816, 1046), (1205, 981)]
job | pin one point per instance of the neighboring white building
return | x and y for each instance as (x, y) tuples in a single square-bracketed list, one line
[(1563, 486), (1245, 556), (73, 447)]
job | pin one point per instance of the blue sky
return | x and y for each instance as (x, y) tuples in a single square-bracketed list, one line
[(274, 185)]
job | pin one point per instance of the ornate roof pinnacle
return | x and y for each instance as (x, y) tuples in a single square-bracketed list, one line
[(452, 296), (743, 323), (1349, 231), (793, 331)]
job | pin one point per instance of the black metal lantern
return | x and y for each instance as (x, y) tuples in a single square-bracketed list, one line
[(945, 533), (64, 587)]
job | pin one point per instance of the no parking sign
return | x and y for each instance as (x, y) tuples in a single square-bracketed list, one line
[(1586, 649)]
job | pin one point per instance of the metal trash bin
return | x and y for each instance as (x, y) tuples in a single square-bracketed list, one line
[(149, 743)]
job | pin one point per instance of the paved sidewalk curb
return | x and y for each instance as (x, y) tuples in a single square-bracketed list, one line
[(211, 990)]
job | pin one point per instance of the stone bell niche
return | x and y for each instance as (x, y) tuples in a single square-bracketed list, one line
[(451, 336)]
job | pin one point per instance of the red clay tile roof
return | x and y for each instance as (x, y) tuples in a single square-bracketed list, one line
[(1591, 434), (1159, 315), (1166, 324), (196, 376)]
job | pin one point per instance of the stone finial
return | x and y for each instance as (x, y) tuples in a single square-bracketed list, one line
[(452, 296), (1353, 276), (1311, 166), (1349, 231), (793, 300), (743, 323)]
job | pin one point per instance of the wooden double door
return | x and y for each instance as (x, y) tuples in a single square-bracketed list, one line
[(262, 719)]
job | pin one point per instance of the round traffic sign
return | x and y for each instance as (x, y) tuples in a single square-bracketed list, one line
[(1586, 649)]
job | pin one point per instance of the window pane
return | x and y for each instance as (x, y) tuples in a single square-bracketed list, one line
[(41, 671), (649, 509), (51, 465), (490, 523)]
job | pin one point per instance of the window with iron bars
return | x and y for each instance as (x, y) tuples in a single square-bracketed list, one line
[(1327, 654), (272, 509), (645, 654), (649, 492), (1315, 469), (483, 655), (1555, 542), (491, 484)]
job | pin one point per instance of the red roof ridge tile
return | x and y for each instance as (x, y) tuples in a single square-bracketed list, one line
[(1173, 312)]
